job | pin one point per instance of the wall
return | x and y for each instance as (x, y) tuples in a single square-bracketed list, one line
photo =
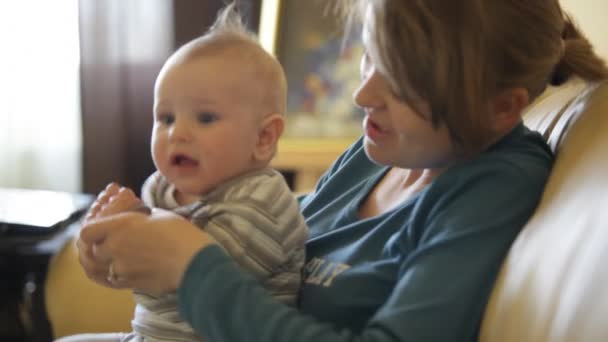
[(592, 18)]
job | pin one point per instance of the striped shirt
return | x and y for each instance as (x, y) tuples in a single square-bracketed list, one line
[(257, 221)]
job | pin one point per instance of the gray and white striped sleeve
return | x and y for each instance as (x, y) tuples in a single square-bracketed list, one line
[(258, 222)]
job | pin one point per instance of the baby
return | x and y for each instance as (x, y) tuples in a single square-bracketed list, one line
[(219, 104)]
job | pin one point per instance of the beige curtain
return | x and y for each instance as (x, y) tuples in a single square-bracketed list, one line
[(40, 135), (123, 46)]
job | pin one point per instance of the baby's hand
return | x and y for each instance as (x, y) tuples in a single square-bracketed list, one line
[(112, 200)]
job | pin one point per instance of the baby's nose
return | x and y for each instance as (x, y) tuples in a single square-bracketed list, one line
[(180, 131)]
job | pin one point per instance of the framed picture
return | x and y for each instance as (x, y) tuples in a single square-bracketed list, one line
[(322, 68)]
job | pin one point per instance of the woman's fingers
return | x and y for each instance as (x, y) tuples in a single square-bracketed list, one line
[(95, 270), (98, 263), (101, 254), (101, 250), (147, 252), (96, 231)]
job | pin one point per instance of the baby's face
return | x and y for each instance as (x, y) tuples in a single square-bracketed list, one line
[(205, 128)]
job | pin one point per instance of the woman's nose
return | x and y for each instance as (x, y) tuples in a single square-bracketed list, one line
[(367, 94)]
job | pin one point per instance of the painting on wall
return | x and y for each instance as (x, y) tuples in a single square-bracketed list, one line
[(322, 71)]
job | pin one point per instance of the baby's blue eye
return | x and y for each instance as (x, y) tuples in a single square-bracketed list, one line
[(206, 118), (166, 119)]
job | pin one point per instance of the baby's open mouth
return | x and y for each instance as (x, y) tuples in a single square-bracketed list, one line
[(183, 160)]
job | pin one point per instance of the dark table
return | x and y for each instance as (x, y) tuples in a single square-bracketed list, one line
[(23, 268), (25, 254)]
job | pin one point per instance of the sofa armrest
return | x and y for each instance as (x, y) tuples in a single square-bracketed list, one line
[(76, 304)]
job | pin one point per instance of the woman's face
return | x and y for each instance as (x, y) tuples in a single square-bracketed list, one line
[(395, 134)]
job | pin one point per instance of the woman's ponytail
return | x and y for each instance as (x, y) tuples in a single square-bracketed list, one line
[(579, 58)]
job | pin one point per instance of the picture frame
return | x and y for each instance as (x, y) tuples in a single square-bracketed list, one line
[(315, 138), (322, 68)]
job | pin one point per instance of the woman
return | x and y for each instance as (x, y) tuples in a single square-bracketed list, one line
[(410, 225)]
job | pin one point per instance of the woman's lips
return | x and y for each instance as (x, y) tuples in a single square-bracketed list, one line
[(372, 130)]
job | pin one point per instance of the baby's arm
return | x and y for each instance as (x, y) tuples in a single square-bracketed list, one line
[(115, 199)]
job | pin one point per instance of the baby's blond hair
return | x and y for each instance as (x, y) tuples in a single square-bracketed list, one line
[(230, 38)]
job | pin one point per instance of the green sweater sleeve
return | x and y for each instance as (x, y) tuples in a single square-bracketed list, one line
[(240, 309)]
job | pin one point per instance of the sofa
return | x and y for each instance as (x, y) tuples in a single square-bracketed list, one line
[(553, 285)]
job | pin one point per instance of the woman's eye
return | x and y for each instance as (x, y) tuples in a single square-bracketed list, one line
[(206, 118), (166, 119)]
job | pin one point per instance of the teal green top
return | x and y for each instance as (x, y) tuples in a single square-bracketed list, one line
[(420, 272)]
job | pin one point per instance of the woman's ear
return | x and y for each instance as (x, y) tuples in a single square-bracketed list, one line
[(270, 131), (508, 107)]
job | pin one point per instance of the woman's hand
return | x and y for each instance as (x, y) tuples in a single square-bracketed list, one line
[(146, 252)]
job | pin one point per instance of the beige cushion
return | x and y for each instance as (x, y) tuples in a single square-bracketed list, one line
[(75, 304), (553, 285)]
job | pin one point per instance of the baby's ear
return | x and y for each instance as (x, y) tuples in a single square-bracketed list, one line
[(269, 133)]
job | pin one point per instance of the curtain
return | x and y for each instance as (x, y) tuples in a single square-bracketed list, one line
[(123, 44), (40, 126)]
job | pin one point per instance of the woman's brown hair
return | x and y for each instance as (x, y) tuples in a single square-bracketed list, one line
[(457, 55)]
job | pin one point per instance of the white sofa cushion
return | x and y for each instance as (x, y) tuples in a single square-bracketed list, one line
[(553, 285)]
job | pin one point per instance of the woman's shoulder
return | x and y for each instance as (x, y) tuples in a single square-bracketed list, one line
[(522, 147), (522, 157), (501, 187)]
